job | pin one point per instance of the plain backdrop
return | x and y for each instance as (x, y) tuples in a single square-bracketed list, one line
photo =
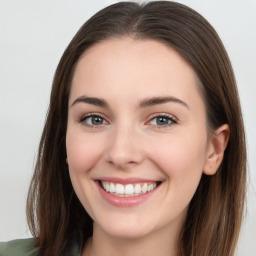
[(33, 36)]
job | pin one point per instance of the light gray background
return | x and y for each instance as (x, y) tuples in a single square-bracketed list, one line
[(33, 36)]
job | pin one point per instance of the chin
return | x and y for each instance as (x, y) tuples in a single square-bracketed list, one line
[(125, 230)]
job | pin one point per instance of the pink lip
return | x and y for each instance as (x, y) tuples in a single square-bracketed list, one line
[(125, 202)]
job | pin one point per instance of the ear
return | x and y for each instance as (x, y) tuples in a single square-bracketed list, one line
[(215, 153)]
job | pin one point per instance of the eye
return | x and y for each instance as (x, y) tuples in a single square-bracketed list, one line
[(162, 120), (93, 120)]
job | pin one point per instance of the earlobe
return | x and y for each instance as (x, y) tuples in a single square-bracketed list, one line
[(215, 154)]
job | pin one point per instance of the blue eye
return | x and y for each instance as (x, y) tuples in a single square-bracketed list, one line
[(93, 120), (162, 121)]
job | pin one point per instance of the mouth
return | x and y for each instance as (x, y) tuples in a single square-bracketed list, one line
[(129, 189)]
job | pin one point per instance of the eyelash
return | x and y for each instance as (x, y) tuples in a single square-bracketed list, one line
[(171, 120)]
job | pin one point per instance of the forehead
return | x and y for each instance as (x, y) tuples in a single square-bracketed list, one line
[(133, 67)]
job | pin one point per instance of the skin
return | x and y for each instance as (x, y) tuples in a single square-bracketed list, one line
[(129, 142)]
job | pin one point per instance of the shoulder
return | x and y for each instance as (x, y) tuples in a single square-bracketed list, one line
[(24, 247)]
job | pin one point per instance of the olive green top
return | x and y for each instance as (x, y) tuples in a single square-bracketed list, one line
[(26, 247)]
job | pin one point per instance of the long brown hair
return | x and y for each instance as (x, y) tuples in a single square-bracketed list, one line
[(215, 212)]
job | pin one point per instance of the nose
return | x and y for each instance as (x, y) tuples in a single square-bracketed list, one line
[(125, 148)]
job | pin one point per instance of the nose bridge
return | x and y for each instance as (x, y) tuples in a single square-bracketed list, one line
[(124, 147)]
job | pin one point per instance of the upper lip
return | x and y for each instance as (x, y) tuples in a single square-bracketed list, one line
[(126, 180)]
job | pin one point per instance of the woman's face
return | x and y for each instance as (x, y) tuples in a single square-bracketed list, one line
[(136, 123)]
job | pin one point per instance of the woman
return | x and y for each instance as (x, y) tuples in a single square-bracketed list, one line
[(143, 149)]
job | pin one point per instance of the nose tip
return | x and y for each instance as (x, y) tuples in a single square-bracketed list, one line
[(124, 150)]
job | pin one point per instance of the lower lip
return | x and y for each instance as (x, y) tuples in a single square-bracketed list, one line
[(124, 202)]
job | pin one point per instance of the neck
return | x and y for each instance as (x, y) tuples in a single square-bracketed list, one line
[(160, 243)]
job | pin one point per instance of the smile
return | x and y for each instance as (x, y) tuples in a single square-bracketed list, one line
[(127, 190)]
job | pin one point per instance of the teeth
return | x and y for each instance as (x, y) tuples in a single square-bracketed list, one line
[(107, 187), (150, 187), (112, 188), (137, 189), (128, 189), (119, 189), (144, 188)]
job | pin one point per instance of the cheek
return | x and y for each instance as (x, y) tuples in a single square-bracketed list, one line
[(182, 158), (82, 152)]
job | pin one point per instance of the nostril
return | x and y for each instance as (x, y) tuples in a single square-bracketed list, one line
[(121, 162)]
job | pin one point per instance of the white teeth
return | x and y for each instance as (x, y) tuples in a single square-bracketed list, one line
[(137, 189), (112, 188), (150, 187), (119, 189), (129, 189), (144, 188)]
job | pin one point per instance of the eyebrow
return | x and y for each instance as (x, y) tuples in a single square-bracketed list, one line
[(148, 102), (91, 100)]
